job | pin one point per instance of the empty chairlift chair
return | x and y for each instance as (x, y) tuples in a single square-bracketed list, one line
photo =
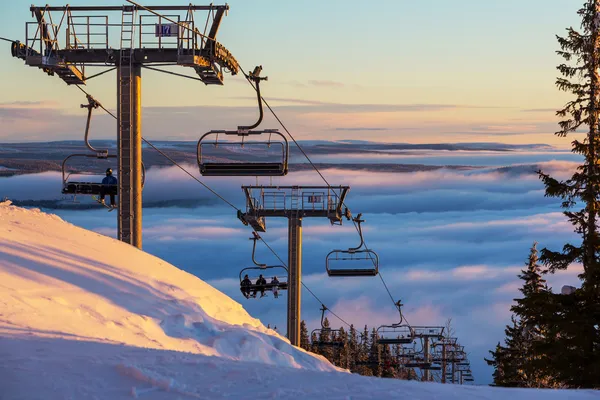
[(279, 271), (245, 156), (344, 262), (325, 335), (397, 333)]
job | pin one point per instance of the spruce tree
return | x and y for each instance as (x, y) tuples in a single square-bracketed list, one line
[(314, 343), (580, 193), (304, 342), (498, 362), (342, 354), (375, 353), (530, 311), (363, 354), (353, 351), (324, 337)]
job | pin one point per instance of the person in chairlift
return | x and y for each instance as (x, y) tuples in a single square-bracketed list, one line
[(260, 285), (245, 286), (108, 180), (275, 283)]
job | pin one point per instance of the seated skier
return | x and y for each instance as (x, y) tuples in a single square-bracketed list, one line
[(260, 285), (275, 283), (245, 287), (109, 180)]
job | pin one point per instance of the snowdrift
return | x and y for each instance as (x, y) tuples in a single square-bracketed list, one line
[(83, 316), (62, 281)]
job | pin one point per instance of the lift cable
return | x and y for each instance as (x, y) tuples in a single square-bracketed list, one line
[(171, 73), (226, 201), (317, 170), (100, 104), (87, 78)]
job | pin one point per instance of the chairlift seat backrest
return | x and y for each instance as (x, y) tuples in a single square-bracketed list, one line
[(82, 187), (395, 334), (348, 257), (244, 167), (327, 343)]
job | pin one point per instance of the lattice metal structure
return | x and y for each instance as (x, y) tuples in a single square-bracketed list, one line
[(64, 40), (448, 351), (294, 203)]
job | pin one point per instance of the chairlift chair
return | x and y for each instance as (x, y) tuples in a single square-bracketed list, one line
[(352, 255), (269, 287), (320, 331), (397, 333), (80, 186), (83, 186), (222, 164), (326, 343)]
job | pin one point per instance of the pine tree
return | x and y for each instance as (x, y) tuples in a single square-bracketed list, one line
[(304, 343), (325, 337), (375, 353), (530, 311), (508, 360), (314, 343), (342, 354), (498, 361), (580, 193), (353, 352), (363, 354)]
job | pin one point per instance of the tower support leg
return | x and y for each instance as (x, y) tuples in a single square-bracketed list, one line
[(444, 362), (426, 356), (129, 145), (294, 278), (136, 157)]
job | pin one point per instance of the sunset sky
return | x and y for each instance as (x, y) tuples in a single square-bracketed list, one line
[(397, 71)]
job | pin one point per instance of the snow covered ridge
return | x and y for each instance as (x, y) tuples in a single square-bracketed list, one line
[(64, 282)]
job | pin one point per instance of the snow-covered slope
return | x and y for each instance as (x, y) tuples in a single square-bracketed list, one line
[(83, 316), (62, 281)]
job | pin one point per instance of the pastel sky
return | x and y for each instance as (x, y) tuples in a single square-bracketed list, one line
[(426, 71)]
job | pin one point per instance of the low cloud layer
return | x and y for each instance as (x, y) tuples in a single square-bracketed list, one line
[(450, 243)]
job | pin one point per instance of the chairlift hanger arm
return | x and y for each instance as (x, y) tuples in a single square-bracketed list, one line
[(92, 104), (255, 238), (323, 309), (254, 76), (362, 240)]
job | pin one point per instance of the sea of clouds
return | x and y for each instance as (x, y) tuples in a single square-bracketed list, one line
[(450, 242)]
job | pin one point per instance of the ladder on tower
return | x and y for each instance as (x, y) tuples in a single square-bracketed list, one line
[(294, 198), (125, 122)]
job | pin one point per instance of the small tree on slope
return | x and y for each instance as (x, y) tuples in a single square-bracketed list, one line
[(304, 342), (580, 77), (519, 363), (530, 311)]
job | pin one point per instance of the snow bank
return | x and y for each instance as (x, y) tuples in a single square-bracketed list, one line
[(61, 281)]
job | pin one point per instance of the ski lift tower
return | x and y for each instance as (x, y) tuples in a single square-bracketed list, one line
[(427, 333), (64, 40), (293, 203)]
